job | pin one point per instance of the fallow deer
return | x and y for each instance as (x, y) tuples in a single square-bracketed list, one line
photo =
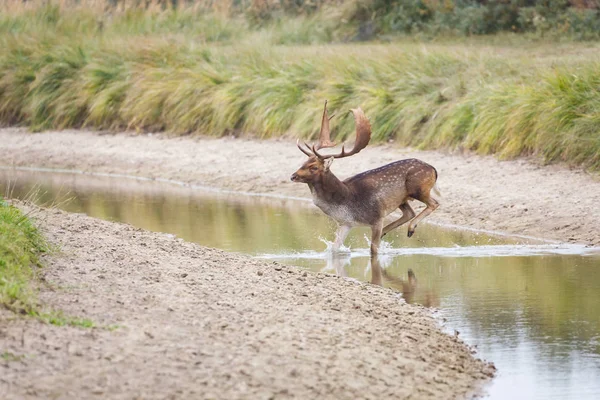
[(366, 198)]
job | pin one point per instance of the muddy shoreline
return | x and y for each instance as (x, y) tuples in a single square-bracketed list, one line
[(178, 320), (515, 197)]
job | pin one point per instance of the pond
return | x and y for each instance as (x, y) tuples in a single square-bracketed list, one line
[(531, 307)]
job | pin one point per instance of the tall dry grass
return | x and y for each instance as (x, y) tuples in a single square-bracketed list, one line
[(184, 70)]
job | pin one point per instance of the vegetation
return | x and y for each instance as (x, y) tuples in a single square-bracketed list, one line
[(240, 69), (359, 19), (20, 245), (8, 356), (60, 319)]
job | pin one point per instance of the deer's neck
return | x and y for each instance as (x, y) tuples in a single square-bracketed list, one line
[(330, 189)]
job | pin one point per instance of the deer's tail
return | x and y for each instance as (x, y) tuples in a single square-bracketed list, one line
[(435, 188)]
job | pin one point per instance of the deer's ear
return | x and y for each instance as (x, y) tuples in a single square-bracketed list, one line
[(328, 163)]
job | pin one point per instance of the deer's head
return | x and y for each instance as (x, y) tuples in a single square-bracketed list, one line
[(318, 164), (312, 170)]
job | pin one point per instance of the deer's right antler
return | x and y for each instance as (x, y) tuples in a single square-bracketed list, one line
[(363, 136)]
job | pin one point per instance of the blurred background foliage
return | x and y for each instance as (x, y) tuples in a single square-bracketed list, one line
[(352, 19)]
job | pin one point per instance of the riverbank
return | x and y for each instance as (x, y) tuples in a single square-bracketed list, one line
[(177, 319), (517, 197)]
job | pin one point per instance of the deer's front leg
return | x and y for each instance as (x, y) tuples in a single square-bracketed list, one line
[(340, 236), (376, 230)]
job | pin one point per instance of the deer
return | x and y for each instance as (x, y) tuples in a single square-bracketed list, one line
[(367, 198)]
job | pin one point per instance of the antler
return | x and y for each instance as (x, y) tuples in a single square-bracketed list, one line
[(363, 136), (324, 136), (308, 153), (324, 139)]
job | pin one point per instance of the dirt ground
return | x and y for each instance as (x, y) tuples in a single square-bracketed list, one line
[(516, 197), (178, 320)]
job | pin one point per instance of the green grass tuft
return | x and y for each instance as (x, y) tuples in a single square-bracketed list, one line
[(59, 319), (20, 245), (8, 356)]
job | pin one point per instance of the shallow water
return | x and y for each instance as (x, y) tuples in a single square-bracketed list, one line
[(531, 307)]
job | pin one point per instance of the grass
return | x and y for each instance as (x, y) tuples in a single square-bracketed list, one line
[(187, 72), (11, 357), (59, 319), (21, 244)]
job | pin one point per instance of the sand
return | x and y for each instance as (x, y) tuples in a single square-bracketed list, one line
[(178, 320)]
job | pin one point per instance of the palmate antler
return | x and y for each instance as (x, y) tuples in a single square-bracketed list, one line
[(363, 136)]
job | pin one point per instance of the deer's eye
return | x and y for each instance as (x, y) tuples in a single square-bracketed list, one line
[(314, 168)]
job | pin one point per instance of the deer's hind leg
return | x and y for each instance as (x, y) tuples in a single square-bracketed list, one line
[(407, 214), (431, 204)]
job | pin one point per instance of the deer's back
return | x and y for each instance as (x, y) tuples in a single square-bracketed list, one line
[(397, 172), (381, 190)]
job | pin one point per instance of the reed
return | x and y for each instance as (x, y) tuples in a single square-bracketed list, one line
[(186, 71)]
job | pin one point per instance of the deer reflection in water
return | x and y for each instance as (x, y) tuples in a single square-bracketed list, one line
[(409, 287), (411, 292)]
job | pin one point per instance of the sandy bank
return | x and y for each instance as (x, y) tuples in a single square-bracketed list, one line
[(194, 322)]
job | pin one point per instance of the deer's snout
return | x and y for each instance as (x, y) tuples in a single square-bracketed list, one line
[(294, 177)]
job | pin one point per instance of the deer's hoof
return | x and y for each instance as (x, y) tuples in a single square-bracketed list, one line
[(410, 233)]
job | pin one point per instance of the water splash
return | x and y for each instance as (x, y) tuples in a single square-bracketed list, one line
[(329, 247), (386, 251), (384, 247)]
